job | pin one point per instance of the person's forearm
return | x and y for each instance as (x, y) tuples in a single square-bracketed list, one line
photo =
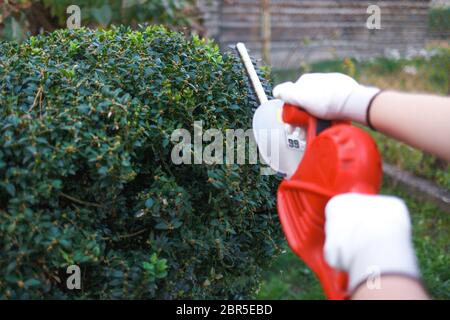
[(421, 121), (391, 287)]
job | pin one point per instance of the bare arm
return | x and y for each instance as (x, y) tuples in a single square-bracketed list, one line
[(392, 287), (422, 121)]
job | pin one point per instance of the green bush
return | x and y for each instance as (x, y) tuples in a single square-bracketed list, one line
[(86, 176), (105, 12)]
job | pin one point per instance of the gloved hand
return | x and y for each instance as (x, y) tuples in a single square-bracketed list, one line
[(329, 96), (366, 234)]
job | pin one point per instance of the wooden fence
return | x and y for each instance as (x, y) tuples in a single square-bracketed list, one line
[(305, 30)]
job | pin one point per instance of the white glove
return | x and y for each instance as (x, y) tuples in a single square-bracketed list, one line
[(367, 234), (328, 96)]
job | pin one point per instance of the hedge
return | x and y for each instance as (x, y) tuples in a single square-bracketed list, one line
[(86, 177)]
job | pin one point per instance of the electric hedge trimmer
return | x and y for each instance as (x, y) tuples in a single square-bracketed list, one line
[(318, 159)]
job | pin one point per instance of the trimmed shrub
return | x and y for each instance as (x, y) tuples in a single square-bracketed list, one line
[(86, 176)]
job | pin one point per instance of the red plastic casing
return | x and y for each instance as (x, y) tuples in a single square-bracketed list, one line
[(339, 159)]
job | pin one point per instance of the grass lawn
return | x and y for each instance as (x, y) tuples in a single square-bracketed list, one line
[(288, 277)]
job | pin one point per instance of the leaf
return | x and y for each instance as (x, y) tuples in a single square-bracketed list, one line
[(11, 189), (11, 266), (32, 283), (162, 226), (161, 275), (153, 258), (84, 108), (103, 170), (148, 266), (176, 224), (149, 203), (65, 243)]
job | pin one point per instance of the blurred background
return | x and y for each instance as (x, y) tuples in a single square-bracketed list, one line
[(407, 48)]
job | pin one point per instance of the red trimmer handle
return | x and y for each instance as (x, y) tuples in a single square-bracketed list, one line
[(295, 116), (338, 160)]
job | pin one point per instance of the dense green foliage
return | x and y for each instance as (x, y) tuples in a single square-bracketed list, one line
[(18, 17), (86, 176), (105, 12)]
